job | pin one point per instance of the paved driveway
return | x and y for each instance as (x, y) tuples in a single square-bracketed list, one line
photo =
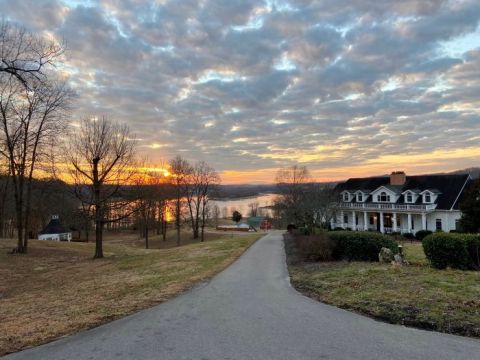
[(250, 311)]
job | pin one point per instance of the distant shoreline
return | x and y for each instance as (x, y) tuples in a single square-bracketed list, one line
[(233, 198)]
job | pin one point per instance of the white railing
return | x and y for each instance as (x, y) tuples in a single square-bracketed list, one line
[(386, 229), (401, 207)]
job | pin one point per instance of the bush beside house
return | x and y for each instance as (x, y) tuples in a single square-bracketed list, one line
[(458, 251), (361, 246), (342, 245)]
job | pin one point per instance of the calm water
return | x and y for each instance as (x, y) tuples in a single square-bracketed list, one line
[(227, 207)]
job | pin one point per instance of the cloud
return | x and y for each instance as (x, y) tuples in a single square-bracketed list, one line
[(254, 85)]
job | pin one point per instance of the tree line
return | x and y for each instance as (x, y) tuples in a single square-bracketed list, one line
[(97, 157)]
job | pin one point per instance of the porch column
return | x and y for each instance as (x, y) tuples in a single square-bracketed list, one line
[(382, 228), (332, 222), (409, 222), (354, 221), (394, 220), (342, 225), (424, 221), (365, 221)]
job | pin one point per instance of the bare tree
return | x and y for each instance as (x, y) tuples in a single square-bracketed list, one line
[(180, 170), (30, 118), (32, 109), (208, 180), (302, 201), (215, 210), (200, 183), (4, 189), (25, 56), (151, 195), (225, 213), (253, 208), (292, 183), (101, 158)]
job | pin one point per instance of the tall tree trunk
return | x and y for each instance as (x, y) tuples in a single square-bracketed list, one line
[(202, 238), (18, 184), (26, 220), (98, 213), (98, 239), (146, 233), (164, 230), (4, 191), (177, 219)]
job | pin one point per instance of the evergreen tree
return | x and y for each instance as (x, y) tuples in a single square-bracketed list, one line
[(470, 221)]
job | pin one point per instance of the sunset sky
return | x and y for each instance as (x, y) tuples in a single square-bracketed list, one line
[(345, 87)]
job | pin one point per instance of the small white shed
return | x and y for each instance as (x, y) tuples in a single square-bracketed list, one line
[(55, 231)]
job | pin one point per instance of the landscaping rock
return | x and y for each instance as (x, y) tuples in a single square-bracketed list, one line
[(386, 255), (398, 260)]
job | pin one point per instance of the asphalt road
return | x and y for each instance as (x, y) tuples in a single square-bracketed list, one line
[(250, 311)]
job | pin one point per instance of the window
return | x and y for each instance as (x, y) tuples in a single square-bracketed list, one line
[(428, 198), (372, 220), (438, 224), (356, 219), (345, 219), (345, 197), (384, 197), (409, 198), (413, 223), (360, 197), (457, 225)]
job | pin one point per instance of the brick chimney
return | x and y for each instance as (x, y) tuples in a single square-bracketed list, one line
[(398, 178)]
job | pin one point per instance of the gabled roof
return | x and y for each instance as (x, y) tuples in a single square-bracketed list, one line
[(54, 227), (450, 187), (415, 191), (392, 188), (366, 192), (433, 191)]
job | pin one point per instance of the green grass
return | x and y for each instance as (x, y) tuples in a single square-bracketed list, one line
[(415, 295), (58, 289)]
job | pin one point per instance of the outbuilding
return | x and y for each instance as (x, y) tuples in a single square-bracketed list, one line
[(55, 231)]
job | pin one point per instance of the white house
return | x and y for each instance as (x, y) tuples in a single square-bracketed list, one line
[(55, 231), (401, 203)]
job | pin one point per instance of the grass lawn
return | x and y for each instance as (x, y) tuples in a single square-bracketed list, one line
[(57, 289), (132, 238), (415, 295)]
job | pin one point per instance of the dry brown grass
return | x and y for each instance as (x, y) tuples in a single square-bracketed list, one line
[(58, 289)]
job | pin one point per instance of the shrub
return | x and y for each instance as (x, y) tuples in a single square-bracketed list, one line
[(409, 236), (473, 248), (421, 234), (291, 228), (314, 247), (360, 246), (458, 251)]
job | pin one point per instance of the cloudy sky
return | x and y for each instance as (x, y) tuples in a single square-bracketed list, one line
[(346, 87)]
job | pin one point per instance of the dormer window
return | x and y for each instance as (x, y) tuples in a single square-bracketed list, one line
[(428, 198), (409, 198), (360, 197), (346, 197), (383, 197)]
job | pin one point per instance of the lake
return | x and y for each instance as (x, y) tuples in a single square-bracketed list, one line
[(228, 206)]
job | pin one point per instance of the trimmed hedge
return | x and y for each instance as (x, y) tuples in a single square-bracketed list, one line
[(458, 251), (422, 234), (360, 246)]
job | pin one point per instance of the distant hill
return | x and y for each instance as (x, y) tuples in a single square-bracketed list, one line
[(473, 171)]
